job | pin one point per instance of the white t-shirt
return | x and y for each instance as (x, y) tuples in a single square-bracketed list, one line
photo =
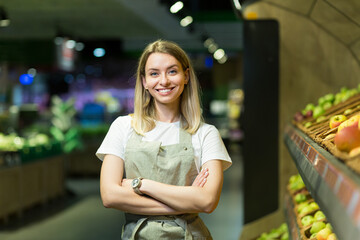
[(206, 142)]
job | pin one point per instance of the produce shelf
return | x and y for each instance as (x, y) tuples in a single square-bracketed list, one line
[(294, 230), (334, 186)]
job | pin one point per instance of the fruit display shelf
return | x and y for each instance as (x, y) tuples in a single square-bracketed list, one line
[(334, 186), (320, 131), (294, 230)]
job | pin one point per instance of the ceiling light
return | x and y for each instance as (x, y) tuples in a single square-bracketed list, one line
[(213, 47), (99, 52), (208, 42), (79, 46), (237, 4), (32, 72), (186, 21), (70, 44), (223, 59), (58, 40), (218, 54), (176, 7), (4, 20)]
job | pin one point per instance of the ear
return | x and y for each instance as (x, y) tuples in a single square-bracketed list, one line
[(187, 75), (144, 82)]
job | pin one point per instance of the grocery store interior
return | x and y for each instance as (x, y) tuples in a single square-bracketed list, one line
[(279, 79)]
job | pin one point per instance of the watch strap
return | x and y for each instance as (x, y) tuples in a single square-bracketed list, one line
[(136, 188)]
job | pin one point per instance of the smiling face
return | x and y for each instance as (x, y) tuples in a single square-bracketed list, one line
[(165, 79)]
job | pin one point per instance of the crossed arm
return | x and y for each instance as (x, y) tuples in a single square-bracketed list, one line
[(159, 198)]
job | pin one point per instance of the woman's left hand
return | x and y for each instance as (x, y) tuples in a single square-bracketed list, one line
[(201, 178)]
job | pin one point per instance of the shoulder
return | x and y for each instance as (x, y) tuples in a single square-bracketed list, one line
[(122, 121), (206, 129), (206, 133), (121, 126)]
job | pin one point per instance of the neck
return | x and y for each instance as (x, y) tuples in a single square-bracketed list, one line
[(168, 114)]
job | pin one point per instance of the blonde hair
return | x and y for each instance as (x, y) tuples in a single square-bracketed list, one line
[(143, 119)]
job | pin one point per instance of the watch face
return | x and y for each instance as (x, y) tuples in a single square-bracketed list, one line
[(135, 182)]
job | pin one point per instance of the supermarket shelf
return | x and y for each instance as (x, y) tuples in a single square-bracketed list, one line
[(294, 231), (334, 186)]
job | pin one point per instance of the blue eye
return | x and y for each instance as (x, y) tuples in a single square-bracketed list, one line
[(153, 74), (172, 71)]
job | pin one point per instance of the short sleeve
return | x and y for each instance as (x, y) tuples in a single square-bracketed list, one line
[(213, 147), (116, 138)]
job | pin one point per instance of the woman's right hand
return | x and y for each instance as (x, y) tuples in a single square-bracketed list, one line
[(200, 179)]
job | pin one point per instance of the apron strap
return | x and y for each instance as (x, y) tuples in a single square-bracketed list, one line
[(137, 228), (181, 222), (184, 225)]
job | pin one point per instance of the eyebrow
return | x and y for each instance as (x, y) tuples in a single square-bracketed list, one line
[(171, 66)]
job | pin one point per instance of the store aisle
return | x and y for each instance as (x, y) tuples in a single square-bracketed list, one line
[(81, 216)]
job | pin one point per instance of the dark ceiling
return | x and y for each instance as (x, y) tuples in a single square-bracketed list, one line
[(133, 22)]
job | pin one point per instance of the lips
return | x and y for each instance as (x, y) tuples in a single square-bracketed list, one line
[(164, 90)]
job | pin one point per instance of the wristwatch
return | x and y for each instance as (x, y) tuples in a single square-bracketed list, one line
[(136, 184)]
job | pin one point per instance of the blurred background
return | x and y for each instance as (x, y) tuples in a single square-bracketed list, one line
[(67, 71)]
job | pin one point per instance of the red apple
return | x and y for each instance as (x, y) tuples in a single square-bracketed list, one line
[(351, 121), (347, 138), (323, 234), (337, 120), (298, 117)]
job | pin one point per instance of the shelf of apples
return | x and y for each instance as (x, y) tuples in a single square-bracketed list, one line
[(280, 233), (310, 219), (15, 150), (334, 124)]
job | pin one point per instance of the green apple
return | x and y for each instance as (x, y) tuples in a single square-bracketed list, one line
[(306, 210), (285, 236), (344, 90), (301, 206), (327, 105), (308, 107), (321, 101), (320, 119), (314, 206), (329, 97), (319, 215), (300, 197), (307, 220), (297, 185), (283, 228), (345, 96), (338, 98), (348, 111), (293, 178), (328, 225), (313, 235), (353, 92), (317, 226), (318, 111)]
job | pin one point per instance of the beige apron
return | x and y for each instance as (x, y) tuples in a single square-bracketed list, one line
[(172, 164)]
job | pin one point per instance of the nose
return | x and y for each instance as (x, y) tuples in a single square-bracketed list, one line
[(164, 80)]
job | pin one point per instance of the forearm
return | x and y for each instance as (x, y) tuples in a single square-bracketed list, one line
[(118, 195), (189, 198), (182, 198), (125, 199)]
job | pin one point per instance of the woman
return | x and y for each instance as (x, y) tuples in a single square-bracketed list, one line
[(152, 159)]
